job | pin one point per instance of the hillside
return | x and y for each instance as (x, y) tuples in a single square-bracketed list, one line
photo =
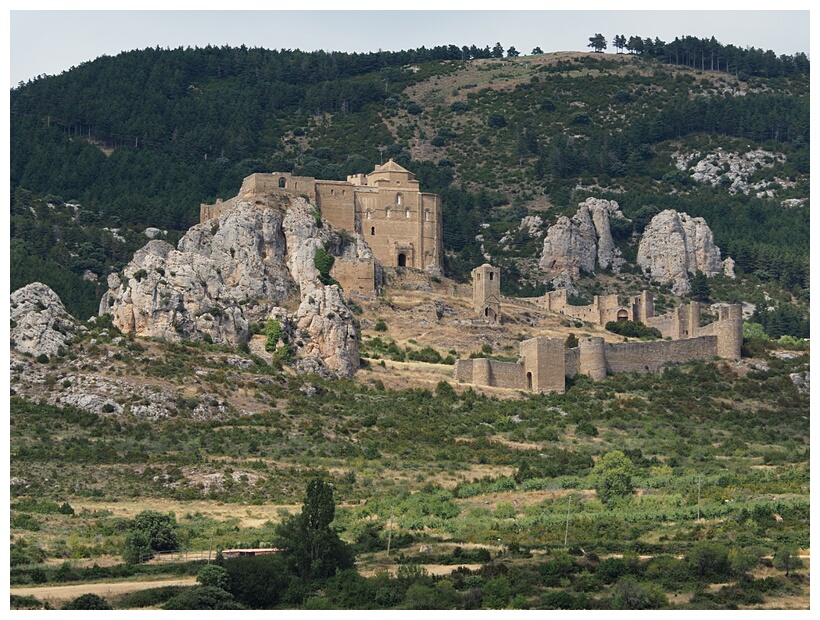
[(231, 372), (227, 440), (141, 139)]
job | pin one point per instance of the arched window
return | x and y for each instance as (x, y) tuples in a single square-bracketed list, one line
[(281, 181), (407, 214), (529, 381), (426, 216), (367, 214), (387, 212), (398, 199), (372, 230)]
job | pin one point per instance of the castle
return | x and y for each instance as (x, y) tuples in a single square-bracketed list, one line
[(545, 363), (401, 224)]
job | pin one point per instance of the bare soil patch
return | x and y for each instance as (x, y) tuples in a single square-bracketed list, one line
[(57, 595)]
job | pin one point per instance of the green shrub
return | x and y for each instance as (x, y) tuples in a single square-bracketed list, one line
[(633, 329), (88, 601)]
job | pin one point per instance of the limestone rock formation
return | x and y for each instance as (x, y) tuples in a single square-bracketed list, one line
[(39, 321), (576, 244), (674, 245), (233, 271), (732, 171)]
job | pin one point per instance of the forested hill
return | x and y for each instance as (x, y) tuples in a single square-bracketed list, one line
[(142, 138)]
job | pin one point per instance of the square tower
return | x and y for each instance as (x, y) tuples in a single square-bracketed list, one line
[(487, 292)]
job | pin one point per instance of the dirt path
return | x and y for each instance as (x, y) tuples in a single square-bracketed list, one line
[(57, 595)]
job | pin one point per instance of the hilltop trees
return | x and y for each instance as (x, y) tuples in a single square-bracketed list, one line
[(597, 43)]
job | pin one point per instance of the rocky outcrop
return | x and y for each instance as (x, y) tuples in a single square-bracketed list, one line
[(39, 321), (674, 245), (733, 171), (234, 271), (581, 243)]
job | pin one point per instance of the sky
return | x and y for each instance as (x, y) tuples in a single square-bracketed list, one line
[(52, 41)]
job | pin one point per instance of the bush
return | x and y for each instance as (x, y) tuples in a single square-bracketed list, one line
[(152, 597), (212, 575), (88, 601), (633, 329), (203, 597), (380, 326), (497, 120)]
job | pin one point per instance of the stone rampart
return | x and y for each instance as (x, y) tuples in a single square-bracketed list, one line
[(652, 356), (491, 373)]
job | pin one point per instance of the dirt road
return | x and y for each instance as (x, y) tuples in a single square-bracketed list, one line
[(57, 595)]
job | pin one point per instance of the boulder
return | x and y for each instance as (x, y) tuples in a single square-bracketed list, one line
[(40, 323)]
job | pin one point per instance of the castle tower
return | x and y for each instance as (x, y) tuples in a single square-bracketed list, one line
[(643, 307), (487, 292), (592, 358), (729, 331), (544, 364)]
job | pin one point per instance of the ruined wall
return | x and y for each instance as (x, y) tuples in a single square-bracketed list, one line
[(355, 274), (652, 356), (210, 212), (603, 309), (554, 301), (491, 373)]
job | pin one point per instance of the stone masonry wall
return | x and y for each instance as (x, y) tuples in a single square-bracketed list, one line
[(652, 356), (355, 275)]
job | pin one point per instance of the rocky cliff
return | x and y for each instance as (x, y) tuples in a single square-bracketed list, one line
[(674, 245), (576, 244), (238, 270), (40, 324)]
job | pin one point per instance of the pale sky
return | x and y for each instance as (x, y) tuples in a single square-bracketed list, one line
[(52, 41)]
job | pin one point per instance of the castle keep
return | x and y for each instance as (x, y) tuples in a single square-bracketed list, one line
[(401, 224)]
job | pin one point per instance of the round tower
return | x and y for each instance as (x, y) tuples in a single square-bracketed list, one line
[(592, 358), (729, 331)]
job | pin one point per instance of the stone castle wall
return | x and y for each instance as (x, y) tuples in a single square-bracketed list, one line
[(490, 373), (653, 356), (545, 364), (355, 274)]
